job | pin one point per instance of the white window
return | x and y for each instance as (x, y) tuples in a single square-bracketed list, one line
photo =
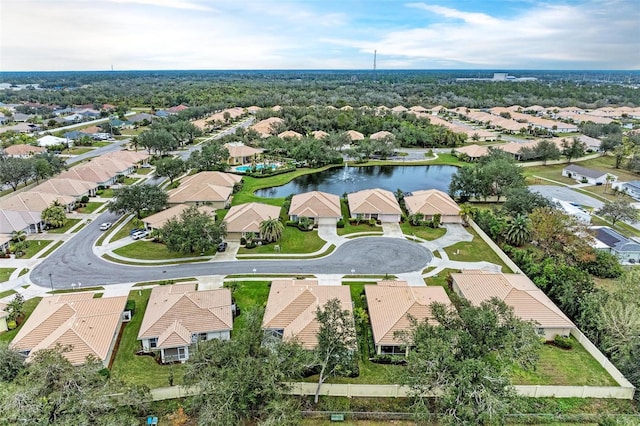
[(153, 342)]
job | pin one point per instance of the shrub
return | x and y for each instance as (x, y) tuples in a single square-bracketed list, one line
[(84, 199), (563, 342), (243, 241), (340, 223), (130, 306), (11, 325), (388, 359), (250, 245), (105, 373)]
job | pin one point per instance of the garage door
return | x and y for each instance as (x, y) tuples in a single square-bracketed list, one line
[(389, 218), (327, 221)]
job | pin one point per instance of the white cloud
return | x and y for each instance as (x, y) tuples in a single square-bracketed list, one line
[(174, 4)]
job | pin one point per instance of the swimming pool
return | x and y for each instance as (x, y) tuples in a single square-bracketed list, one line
[(260, 166)]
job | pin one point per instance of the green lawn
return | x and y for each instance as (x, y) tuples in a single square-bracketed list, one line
[(141, 369), (474, 251), (29, 306), (79, 150), (423, 232), (51, 249), (5, 273), (125, 230), (143, 171), (6, 292), (105, 193), (353, 228), (34, 247), (293, 240), (247, 294), (130, 180), (70, 224), (604, 193), (605, 163), (90, 207), (575, 367), (148, 250), (75, 290)]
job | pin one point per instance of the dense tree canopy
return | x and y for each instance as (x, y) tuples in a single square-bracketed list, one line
[(138, 199), (193, 232)]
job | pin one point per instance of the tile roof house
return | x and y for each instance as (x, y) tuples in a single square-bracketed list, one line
[(72, 187), (592, 176), (626, 250), (529, 303), (158, 220), (354, 136), (319, 134), (111, 165), (381, 135), (473, 151), (265, 127), (100, 177), (378, 204), (178, 317), (88, 326), (36, 201), (291, 309), (322, 207), (246, 218), (240, 153), (22, 150), (128, 157), (20, 220), (391, 303), (289, 134), (210, 188), (431, 202)]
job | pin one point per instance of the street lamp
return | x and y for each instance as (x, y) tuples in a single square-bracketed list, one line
[(51, 281)]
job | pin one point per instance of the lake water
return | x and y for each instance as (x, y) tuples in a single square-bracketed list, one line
[(352, 179)]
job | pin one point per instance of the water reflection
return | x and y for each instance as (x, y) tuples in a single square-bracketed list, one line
[(351, 179)]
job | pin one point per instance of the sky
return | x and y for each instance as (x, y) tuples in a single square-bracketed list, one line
[(61, 35)]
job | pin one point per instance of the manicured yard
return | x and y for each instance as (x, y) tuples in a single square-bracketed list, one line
[(141, 369), (34, 247), (423, 232), (51, 249), (79, 150), (125, 230), (70, 224), (90, 207), (29, 306), (575, 367), (605, 164), (143, 171), (247, 294), (148, 250), (604, 193), (6, 292), (474, 251), (5, 273), (353, 228), (293, 240), (105, 193), (130, 181)]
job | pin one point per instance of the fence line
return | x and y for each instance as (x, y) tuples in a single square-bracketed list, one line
[(502, 255)]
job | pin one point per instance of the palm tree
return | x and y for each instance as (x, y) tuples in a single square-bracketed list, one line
[(18, 236), (271, 230), (467, 211), (519, 230)]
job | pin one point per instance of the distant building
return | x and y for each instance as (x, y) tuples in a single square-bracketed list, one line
[(626, 250), (592, 176)]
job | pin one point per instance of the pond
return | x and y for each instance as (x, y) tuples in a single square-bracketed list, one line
[(352, 179)]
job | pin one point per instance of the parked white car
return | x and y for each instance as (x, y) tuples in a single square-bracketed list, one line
[(105, 226), (138, 235)]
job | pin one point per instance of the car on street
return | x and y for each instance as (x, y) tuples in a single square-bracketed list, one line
[(138, 235), (222, 246), (105, 226)]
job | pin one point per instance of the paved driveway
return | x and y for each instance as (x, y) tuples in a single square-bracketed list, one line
[(566, 194)]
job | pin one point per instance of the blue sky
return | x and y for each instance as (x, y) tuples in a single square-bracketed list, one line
[(318, 34)]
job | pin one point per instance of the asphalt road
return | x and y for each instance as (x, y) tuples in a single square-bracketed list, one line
[(75, 262)]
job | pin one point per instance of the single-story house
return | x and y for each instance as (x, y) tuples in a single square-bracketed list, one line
[(319, 134), (88, 326), (36, 201), (291, 309), (246, 218), (240, 153), (178, 317), (391, 303), (529, 303), (626, 250), (432, 202), (322, 207), (100, 177), (111, 165), (266, 126), (50, 140), (473, 151), (377, 203), (141, 117), (129, 157), (354, 135), (591, 176), (158, 220), (22, 150), (19, 220), (631, 188), (72, 187), (210, 188), (381, 135), (290, 134)]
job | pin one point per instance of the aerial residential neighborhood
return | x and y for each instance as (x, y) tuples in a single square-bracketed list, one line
[(313, 213)]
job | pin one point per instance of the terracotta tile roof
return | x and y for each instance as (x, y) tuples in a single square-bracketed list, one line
[(34, 201), (290, 134), (430, 202), (204, 187), (158, 220), (238, 149), (264, 127), (212, 178), (175, 312), (391, 303), (319, 134), (315, 204), (517, 291), (89, 325), (473, 151), (176, 109), (399, 108), (292, 306), (376, 200), (88, 173), (253, 109), (381, 135), (248, 217), (128, 157), (418, 108), (72, 187), (110, 165), (354, 136), (22, 149)]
